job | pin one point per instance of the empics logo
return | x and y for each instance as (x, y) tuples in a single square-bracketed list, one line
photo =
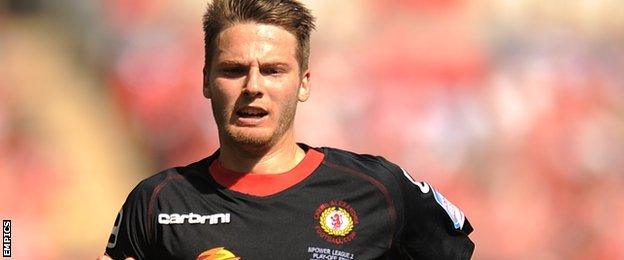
[(6, 238)]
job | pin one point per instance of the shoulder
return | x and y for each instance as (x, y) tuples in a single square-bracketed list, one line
[(418, 204), (149, 186), (392, 179), (371, 166), (386, 176), (362, 162), (152, 186)]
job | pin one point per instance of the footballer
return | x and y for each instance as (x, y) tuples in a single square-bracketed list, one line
[(262, 195)]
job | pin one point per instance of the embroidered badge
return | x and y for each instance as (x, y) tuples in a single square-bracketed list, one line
[(336, 221)]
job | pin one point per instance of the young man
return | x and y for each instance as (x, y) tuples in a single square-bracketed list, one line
[(264, 196)]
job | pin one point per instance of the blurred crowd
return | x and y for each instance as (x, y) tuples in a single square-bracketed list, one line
[(513, 109)]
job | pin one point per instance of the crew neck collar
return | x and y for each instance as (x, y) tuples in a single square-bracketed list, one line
[(260, 184)]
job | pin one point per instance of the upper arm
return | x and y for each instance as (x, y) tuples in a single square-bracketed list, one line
[(130, 234), (432, 228)]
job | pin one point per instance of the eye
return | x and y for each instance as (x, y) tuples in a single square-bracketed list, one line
[(272, 71), (233, 72)]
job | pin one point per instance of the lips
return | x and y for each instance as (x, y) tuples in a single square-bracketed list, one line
[(253, 112), (250, 115)]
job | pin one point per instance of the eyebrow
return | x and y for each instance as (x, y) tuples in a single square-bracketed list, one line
[(275, 64), (231, 63), (266, 64)]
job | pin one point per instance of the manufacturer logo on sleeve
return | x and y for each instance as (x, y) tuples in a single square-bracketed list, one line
[(336, 221)]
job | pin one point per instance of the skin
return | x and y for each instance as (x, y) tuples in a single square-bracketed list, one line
[(105, 257), (256, 65)]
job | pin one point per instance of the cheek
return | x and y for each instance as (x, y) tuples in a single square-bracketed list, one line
[(283, 99), (225, 93), (285, 92)]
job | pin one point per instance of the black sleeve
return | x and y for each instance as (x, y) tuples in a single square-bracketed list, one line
[(130, 234), (432, 228)]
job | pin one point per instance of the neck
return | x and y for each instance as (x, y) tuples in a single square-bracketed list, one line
[(276, 158)]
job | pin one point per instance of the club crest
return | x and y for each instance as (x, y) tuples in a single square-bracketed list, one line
[(336, 221)]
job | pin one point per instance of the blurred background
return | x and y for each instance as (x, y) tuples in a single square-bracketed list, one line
[(513, 109)]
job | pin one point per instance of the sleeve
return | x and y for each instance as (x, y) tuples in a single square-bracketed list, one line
[(131, 233), (432, 228)]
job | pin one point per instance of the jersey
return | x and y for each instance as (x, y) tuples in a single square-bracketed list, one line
[(334, 204)]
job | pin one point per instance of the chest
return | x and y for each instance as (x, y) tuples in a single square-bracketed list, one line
[(329, 221)]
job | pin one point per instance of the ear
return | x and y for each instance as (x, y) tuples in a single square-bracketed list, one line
[(303, 93), (206, 85)]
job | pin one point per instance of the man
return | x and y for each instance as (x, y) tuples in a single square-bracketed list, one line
[(264, 196)]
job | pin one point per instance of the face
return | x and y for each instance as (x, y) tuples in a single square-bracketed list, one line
[(254, 82)]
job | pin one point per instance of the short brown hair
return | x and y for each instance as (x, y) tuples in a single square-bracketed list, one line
[(288, 14)]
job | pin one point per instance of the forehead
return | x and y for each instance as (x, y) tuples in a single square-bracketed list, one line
[(253, 41)]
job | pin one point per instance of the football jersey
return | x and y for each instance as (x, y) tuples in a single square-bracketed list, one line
[(334, 204)]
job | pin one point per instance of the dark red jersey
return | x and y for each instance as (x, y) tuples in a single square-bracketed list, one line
[(333, 205)]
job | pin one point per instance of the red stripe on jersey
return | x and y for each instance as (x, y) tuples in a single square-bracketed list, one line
[(152, 204), (259, 184)]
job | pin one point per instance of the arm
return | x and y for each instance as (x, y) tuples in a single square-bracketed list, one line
[(433, 228), (131, 233)]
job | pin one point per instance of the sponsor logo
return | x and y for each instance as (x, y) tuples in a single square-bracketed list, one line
[(192, 218), (456, 215), (6, 238), (219, 253), (336, 221)]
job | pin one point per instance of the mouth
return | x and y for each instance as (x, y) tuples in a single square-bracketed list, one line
[(249, 116)]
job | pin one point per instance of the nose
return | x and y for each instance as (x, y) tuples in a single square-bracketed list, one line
[(253, 87)]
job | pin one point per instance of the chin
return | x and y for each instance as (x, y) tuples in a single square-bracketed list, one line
[(250, 137)]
